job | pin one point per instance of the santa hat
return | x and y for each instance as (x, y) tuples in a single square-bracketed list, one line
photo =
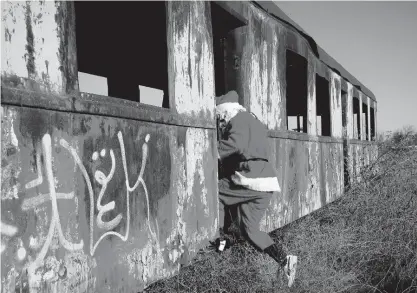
[(230, 97)]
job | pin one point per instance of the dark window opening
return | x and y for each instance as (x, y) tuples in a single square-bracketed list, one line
[(222, 23), (372, 123), (323, 106), (296, 78), (356, 119), (120, 53), (365, 118)]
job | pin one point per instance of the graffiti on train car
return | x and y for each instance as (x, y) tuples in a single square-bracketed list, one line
[(105, 217), (53, 196)]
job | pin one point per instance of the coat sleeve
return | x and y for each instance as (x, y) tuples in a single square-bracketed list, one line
[(236, 140)]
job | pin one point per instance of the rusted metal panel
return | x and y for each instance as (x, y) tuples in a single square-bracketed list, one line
[(190, 51), (38, 46), (335, 105), (99, 204)]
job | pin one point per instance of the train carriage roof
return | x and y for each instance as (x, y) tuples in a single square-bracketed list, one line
[(272, 9)]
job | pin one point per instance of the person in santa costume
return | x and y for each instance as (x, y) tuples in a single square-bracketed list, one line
[(247, 179)]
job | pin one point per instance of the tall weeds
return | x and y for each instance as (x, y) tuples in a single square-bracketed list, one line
[(366, 241)]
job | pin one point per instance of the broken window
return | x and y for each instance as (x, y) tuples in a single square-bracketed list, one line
[(296, 78), (365, 119), (372, 123), (120, 53), (323, 106), (356, 119)]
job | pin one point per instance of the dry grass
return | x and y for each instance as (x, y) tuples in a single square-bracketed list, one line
[(364, 242)]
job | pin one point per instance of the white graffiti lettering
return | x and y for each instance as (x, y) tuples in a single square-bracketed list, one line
[(7, 230), (103, 181), (39, 180), (33, 202), (55, 223)]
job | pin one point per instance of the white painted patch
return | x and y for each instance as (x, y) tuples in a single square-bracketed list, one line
[(93, 84), (33, 242), (21, 253), (8, 230), (151, 96)]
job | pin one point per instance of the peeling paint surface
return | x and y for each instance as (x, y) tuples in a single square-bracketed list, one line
[(311, 100), (30, 43), (13, 39), (260, 47), (336, 105), (349, 112), (311, 176), (190, 49), (75, 187)]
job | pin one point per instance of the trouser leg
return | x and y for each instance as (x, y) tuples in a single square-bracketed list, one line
[(251, 213)]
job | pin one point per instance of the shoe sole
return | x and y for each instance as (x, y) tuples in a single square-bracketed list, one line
[(292, 268)]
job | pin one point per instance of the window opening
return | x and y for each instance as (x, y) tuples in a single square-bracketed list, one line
[(323, 106), (222, 23), (372, 123), (120, 54), (296, 78), (356, 118), (365, 118)]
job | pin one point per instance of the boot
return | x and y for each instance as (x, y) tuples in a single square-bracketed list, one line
[(287, 262), (277, 253)]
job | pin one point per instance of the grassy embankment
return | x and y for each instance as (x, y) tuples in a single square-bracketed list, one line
[(365, 241)]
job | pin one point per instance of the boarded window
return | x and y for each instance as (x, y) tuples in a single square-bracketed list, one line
[(356, 119), (372, 123), (296, 77), (120, 52), (323, 106)]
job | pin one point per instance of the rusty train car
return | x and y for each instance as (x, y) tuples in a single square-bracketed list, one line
[(109, 164)]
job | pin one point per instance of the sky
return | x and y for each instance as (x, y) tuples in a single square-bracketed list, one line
[(376, 42)]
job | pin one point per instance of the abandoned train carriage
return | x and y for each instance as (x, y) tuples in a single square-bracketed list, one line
[(109, 164)]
